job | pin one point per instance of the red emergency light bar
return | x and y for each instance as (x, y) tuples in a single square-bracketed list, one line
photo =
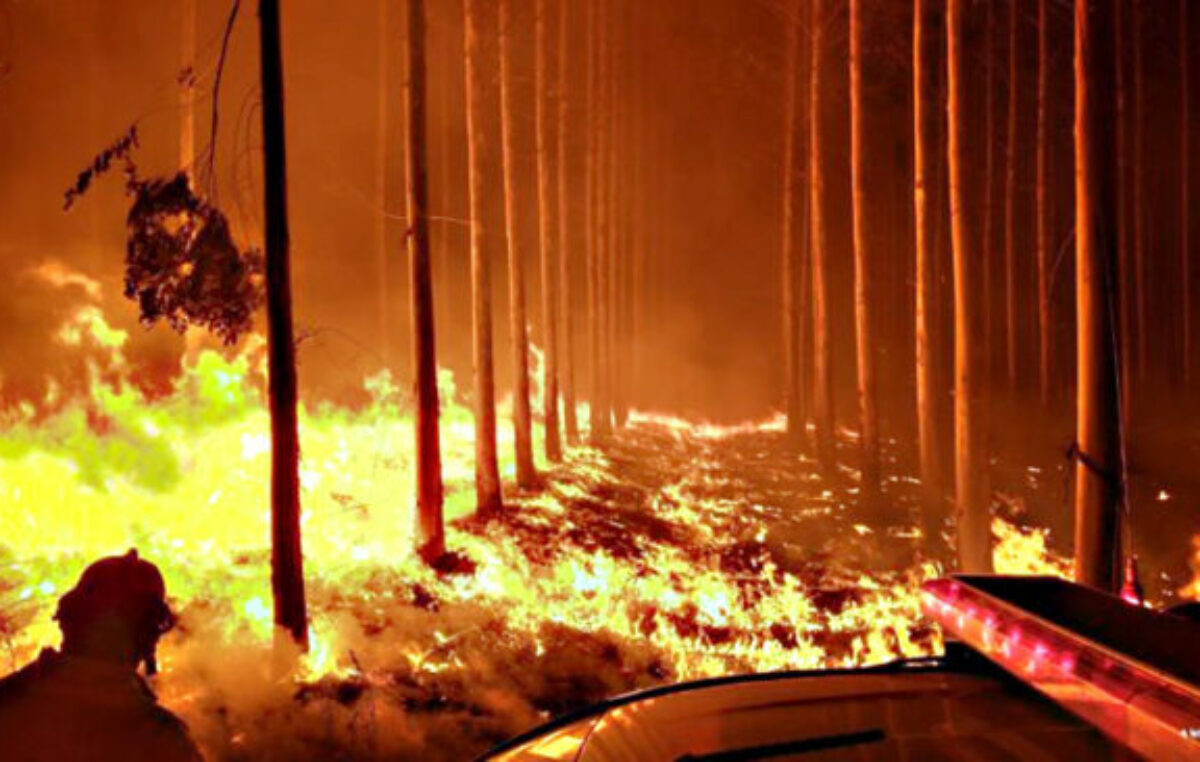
[(1131, 672)]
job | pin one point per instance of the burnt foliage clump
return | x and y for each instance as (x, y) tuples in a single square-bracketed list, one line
[(181, 263)]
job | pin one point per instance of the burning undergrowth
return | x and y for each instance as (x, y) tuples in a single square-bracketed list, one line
[(679, 551)]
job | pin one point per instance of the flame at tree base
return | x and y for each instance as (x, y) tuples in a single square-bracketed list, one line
[(681, 551)]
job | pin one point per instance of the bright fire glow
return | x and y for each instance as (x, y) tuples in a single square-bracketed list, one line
[(562, 591)]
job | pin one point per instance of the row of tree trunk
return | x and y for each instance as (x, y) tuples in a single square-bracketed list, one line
[(1098, 469)]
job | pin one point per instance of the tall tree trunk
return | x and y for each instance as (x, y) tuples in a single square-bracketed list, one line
[(1010, 203), (1045, 316), (1126, 276), (789, 262), (591, 223), (287, 559), (822, 345), (972, 495), (187, 90), (571, 424), (616, 220), (431, 538), (381, 165), (488, 499), (601, 409), (518, 326), (927, 365), (1185, 201), (1098, 466), (867, 415), (989, 190), (1142, 345), (548, 245)]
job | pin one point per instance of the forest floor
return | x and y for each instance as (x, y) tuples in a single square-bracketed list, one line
[(678, 551)]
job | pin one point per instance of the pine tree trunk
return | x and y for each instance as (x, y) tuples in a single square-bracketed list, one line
[(972, 495), (1010, 204), (488, 499), (547, 244), (601, 409), (287, 558), (518, 326), (793, 404), (566, 231), (1126, 276), (591, 223), (989, 191), (867, 415), (187, 91), (430, 539), (1185, 133), (381, 165), (822, 344), (1045, 316), (1098, 467), (1142, 345), (616, 221), (927, 365)]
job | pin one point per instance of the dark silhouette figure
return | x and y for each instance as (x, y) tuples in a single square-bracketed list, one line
[(87, 701)]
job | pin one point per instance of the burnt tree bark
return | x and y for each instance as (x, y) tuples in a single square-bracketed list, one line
[(972, 496), (518, 326), (1098, 482), (287, 558), (488, 498), (430, 537)]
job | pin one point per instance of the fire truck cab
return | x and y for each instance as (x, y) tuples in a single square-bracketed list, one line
[(1035, 668)]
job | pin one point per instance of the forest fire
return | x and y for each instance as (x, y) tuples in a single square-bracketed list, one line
[(546, 371), (696, 582)]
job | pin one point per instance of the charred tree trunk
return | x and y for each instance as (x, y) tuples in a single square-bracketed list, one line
[(431, 538), (548, 245), (488, 499), (518, 327), (1045, 316), (287, 559), (789, 264), (822, 346), (1098, 465), (1010, 204), (867, 415), (927, 365), (972, 496), (571, 424)]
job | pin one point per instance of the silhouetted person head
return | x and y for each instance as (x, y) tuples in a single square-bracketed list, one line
[(88, 701), (116, 612)]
